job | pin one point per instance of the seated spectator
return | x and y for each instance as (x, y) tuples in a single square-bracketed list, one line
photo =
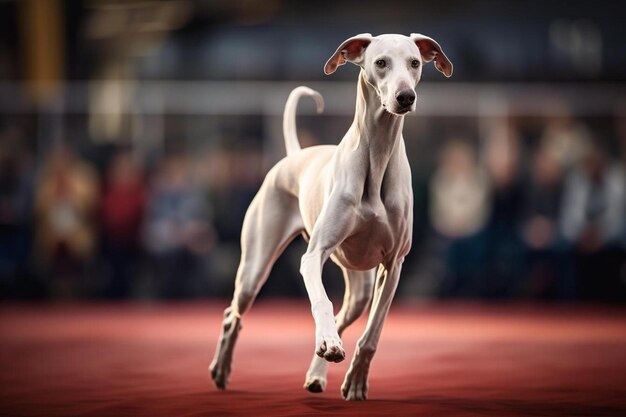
[(66, 196), (16, 182), (593, 220), (459, 211), (546, 270), (504, 274), (122, 212), (175, 220)]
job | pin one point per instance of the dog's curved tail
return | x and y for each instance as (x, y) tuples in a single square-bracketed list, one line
[(289, 116)]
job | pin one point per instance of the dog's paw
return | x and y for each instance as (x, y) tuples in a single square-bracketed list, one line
[(331, 349), (220, 374), (315, 384), (354, 387)]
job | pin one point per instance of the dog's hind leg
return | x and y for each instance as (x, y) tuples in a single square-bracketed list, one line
[(271, 223), (357, 296)]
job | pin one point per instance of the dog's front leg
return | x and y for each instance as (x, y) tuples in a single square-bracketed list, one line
[(332, 226), (354, 386)]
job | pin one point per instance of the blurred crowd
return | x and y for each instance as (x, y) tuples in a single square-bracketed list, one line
[(159, 227), (518, 213), (529, 217)]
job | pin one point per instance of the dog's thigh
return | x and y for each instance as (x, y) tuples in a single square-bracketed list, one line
[(271, 223)]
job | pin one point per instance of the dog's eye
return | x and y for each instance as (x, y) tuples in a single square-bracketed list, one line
[(381, 63), (415, 63)]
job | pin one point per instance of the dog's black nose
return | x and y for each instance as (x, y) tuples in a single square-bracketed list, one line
[(406, 98)]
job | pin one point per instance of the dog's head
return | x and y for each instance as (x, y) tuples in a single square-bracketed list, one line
[(392, 65)]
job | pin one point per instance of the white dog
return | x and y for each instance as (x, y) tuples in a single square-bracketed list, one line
[(353, 203)]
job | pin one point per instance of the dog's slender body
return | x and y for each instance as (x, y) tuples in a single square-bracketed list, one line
[(353, 202)]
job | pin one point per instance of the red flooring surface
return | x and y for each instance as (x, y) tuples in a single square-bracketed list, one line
[(438, 360)]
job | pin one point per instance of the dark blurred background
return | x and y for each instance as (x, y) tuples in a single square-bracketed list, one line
[(134, 134)]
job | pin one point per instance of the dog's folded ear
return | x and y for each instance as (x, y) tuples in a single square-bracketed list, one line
[(350, 50), (430, 49)]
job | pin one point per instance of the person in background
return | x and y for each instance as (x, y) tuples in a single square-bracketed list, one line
[(121, 219), (16, 187), (593, 221), (459, 210), (502, 157), (66, 198), (547, 275), (175, 224)]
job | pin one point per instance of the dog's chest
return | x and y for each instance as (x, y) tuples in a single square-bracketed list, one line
[(376, 235)]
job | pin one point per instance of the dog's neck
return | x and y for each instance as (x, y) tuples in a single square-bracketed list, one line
[(377, 131)]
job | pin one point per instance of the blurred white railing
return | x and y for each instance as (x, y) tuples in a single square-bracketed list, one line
[(489, 102), (268, 98)]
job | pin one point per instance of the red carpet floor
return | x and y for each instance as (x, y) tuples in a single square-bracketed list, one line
[(438, 360)]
